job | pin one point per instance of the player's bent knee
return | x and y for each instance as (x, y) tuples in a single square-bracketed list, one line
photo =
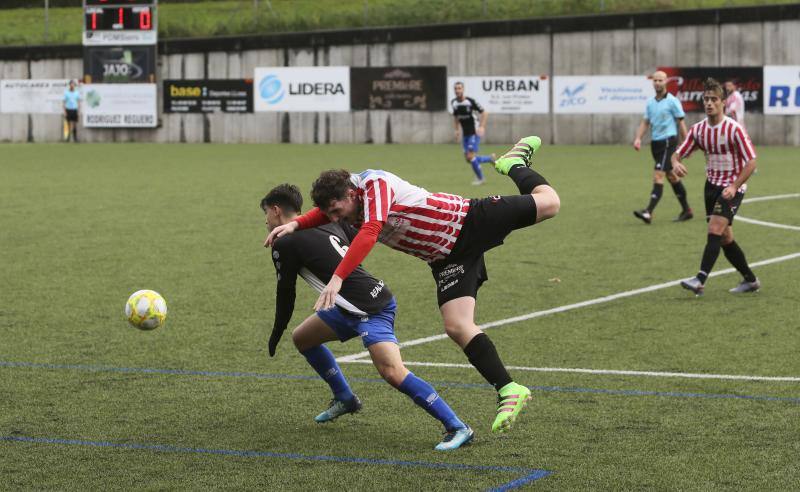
[(547, 201), (300, 341), (393, 374)]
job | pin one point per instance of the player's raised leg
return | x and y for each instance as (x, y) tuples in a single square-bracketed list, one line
[(386, 357), (516, 164), (309, 338)]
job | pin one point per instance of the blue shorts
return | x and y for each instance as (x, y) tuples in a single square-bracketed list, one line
[(372, 329), (470, 143)]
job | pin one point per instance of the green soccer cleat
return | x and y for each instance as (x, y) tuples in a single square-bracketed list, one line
[(520, 154), (338, 408), (510, 400)]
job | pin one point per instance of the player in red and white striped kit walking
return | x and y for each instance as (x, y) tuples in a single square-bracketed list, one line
[(449, 232), (730, 160)]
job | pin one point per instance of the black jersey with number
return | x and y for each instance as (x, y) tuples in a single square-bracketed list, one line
[(464, 111), (314, 254)]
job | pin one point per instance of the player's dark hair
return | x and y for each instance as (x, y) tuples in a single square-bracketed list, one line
[(286, 196), (331, 185), (459, 83), (711, 85)]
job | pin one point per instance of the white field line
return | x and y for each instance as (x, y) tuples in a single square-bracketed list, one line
[(615, 372), (770, 197), (570, 307), (600, 300), (768, 224)]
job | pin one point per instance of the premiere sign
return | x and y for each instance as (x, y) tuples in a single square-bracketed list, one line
[(511, 94), (601, 94), (782, 89), (304, 89), (406, 88), (208, 96), (119, 106), (33, 96)]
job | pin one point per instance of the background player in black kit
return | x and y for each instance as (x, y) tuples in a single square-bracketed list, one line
[(464, 109), (364, 308)]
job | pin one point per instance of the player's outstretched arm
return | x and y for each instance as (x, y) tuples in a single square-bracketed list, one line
[(284, 307), (359, 249), (280, 231), (637, 139)]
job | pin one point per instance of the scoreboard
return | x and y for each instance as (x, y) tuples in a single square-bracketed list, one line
[(120, 38), (119, 22)]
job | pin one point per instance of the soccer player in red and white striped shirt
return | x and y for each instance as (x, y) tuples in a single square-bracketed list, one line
[(449, 232), (730, 160), (734, 102)]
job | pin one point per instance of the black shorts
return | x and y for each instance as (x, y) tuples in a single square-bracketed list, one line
[(662, 151), (716, 205), (72, 115), (486, 225)]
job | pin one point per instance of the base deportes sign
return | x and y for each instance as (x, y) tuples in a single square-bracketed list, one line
[(514, 94), (301, 89), (119, 106), (410, 88), (208, 96)]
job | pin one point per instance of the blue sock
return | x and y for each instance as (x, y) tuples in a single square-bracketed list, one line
[(476, 166), (482, 159), (426, 397), (322, 360)]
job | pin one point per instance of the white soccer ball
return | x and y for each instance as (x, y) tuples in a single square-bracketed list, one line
[(146, 309)]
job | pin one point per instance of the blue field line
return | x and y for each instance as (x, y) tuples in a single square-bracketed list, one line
[(530, 474), (257, 375)]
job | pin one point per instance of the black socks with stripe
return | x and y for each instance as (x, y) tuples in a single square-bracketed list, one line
[(482, 354), (526, 179)]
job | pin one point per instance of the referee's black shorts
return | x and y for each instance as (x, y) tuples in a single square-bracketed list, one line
[(662, 151), (72, 115), (488, 222)]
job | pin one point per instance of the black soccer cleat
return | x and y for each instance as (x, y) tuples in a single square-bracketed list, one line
[(684, 216), (644, 214)]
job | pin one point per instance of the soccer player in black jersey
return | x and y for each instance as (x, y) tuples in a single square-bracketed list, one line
[(464, 109), (363, 308)]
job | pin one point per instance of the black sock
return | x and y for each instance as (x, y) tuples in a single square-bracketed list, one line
[(655, 196), (735, 255), (481, 353), (526, 179), (710, 255), (680, 194)]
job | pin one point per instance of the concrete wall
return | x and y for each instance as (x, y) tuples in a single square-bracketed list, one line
[(602, 52)]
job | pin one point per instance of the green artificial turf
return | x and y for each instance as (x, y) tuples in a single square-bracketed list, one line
[(84, 226)]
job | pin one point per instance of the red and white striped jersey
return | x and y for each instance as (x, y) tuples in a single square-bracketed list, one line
[(417, 222), (727, 148), (734, 106)]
